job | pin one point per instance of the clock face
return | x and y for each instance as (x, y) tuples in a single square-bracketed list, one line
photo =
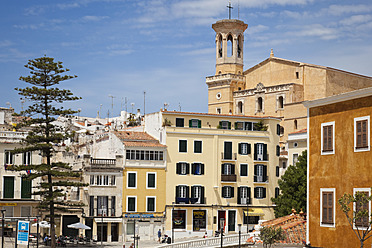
[(218, 96)]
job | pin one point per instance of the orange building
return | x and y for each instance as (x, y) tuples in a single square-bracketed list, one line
[(339, 161)]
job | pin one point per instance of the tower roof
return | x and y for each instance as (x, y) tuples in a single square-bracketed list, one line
[(229, 25)]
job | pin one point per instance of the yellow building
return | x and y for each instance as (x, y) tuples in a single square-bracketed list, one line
[(218, 166), (339, 161), (274, 87)]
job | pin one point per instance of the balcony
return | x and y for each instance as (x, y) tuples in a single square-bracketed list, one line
[(261, 157), (228, 156), (244, 201), (228, 178), (95, 212), (260, 179), (102, 162), (187, 200)]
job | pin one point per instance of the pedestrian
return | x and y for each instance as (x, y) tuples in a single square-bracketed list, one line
[(205, 235), (159, 235), (131, 246)]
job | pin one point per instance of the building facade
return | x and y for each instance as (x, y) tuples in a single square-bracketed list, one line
[(339, 155), (218, 167)]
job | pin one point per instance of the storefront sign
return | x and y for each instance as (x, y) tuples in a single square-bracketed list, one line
[(134, 215), (8, 204)]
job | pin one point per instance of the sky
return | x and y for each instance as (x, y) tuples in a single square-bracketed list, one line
[(120, 49)]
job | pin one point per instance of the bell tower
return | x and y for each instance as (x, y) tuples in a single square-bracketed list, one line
[(229, 66)]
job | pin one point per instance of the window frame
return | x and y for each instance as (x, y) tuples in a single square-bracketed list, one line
[(132, 172), (135, 203), (147, 180), (367, 190), (178, 120), (147, 203), (201, 146), (246, 165), (356, 120), (323, 152), (179, 146), (333, 190)]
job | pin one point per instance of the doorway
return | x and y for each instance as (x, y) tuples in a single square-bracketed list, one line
[(221, 215), (102, 232), (231, 221)]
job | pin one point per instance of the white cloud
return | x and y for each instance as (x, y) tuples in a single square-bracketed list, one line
[(318, 30), (256, 29), (64, 6), (347, 9), (356, 19), (5, 43), (93, 18)]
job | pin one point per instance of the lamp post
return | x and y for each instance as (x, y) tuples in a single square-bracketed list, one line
[(172, 222), (240, 229), (247, 217), (2, 227), (222, 224)]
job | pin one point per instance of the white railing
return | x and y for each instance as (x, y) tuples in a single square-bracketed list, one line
[(210, 242)]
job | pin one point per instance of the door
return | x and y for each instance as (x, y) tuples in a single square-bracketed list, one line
[(221, 215), (114, 232), (102, 232), (67, 220), (231, 221), (228, 150)]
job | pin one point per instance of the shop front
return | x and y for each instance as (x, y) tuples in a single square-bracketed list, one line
[(144, 225), (107, 229)]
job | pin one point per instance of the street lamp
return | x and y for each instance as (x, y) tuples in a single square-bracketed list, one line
[(2, 227), (172, 223), (240, 229), (222, 224)]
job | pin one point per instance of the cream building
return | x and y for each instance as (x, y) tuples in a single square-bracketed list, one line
[(274, 87), (218, 166)]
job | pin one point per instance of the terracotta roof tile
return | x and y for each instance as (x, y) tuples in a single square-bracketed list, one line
[(137, 139), (300, 131)]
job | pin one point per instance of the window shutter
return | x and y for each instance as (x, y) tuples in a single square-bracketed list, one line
[(25, 188), (192, 191), (255, 192), (232, 169), (193, 168), (238, 200), (249, 195), (220, 124), (265, 152), (187, 168), (277, 171), (199, 123), (202, 169), (187, 191), (263, 192), (223, 169), (229, 125), (223, 191), (255, 151), (277, 129), (235, 125), (255, 173), (177, 191), (190, 123), (202, 200), (240, 148), (264, 173), (178, 168), (278, 150), (249, 149), (232, 192)]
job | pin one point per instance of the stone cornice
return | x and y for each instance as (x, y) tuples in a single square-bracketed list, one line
[(223, 79), (262, 89)]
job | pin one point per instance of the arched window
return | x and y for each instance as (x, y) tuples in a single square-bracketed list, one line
[(239, 43), (229, 45), (295, 124), (280, 102), (219, 45), (259, 104), (240, 107)]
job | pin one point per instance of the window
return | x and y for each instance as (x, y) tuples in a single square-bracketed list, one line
[(182, 194), (295, 124), (218, 110), (197, 194), (199, 220), (182, 146), (284, 164), (150, 205), (132, 180), (180, 122), (26, 158), (197, 146), (179, 219), (225, 125), (297, 75), (151, 180), (280, 102), (259, 104), (327, 137), (244, 195), (102, 180), (260, 173), (227, 192), (260, 152), (9, 157), (277, 192), (295, 158), (113, 205), (277, 171), (359, 206), (230, 50), (8, 187), (195, 123), (228, 169), (26, 186), (240, 107), (144, 155), (227, 150), (327, 210), (244, 148), (260, 192), (9, 211), (91, 206), (182, 168), (26, 211), (278, 150), (131, 203), (243, 170), (102, 205), (197, 169), (361, 134)]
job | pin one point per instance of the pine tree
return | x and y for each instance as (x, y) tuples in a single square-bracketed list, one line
[(46, 100), (292, 186)]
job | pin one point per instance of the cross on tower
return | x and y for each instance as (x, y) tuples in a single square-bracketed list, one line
[(229, 7)]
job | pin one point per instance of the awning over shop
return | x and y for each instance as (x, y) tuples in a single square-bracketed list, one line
[(106, 220), (254, 212)]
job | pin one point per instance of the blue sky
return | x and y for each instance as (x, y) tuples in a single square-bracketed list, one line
[(166, 47)]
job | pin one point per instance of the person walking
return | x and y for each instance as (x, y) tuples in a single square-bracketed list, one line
[(159, 235)]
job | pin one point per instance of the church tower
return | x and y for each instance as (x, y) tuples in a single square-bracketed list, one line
[(229, 67)]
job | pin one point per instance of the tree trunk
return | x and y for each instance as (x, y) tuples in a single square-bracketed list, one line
[(361, 244)]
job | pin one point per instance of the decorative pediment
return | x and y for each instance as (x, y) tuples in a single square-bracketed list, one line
[(260, 87)]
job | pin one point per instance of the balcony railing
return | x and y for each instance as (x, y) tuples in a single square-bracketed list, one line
[(228, 178), (98, 212), (102, 162), (189, 200), (261, 157), (260, 179), (228, 156)]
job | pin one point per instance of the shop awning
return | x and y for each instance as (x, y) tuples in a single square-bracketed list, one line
[(254, 212), (106, 220)]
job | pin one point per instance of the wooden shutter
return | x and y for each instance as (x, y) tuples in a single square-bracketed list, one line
[(249, 149), (263, 192), (255, 192), (8, 187), (363, 221), (199, 123), (190, 123), (178, 168), (187, 191), (249, 195), (223, 169), (328, 138), (202, 193), (223, 192), (232, 192), (255, 151), (228, 125), (265, 152), (255, 173), (25, 188), (278, 150), (264, 173), (232, 169), (362, 134), (240, 148), (193, 191), (193, 168), (239, 200), (327, 217), (187, 168), (201, 169)]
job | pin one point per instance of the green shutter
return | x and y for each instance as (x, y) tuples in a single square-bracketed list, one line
[(26, 188), (8, 187), (229, 125), (199, 123)]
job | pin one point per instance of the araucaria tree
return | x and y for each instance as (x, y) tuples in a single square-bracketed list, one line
[(359, 218), (45, 105), (292, 187)]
